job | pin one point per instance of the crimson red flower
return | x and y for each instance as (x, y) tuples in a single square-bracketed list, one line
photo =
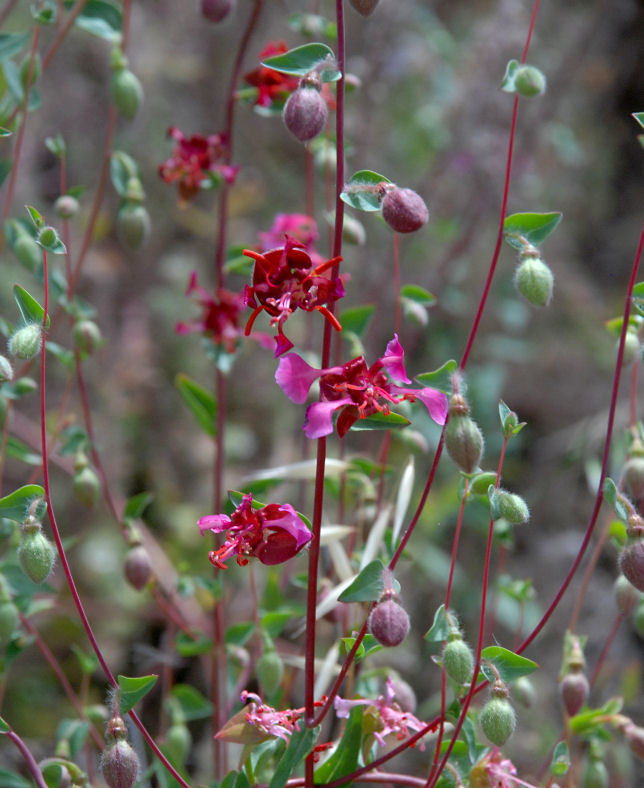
[(272, 86), (284, 280), (220, 316), (196, 161)]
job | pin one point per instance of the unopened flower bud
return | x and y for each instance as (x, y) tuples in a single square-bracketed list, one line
[(36, 554), (498, 720), (47, 236), (134, 190), (626, 597), (86, 335), (404, 695), (574, 690), (305, 113), (534, 280), (8, 621), (595, 775), (389, 623), (137, 567), (633, 476), (269, 671), (27, 251), (216, 10), (529, 81), (632, 348), (66, 206), (178, 742), (631, 563), (458, 660), (26, 341), (126, 92), (6, 370), (133, 225), (353, 231), (364, 7), (634, 735), (404, 210), (87, 487), (523, 690), (463, 438), (119, 765), (512, 507)]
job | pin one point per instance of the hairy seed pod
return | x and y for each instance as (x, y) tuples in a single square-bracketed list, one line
[(463, 438), (137, 567), (574, 690), (25, 343), (36, 555), (512, 507), (216, 10), (529, 81), (404, 210), (534, 281), (126, 92), (269, 671), (458, 660), (133, 225), (66, 206), (498, 720), (86, 335), (305, 113), (364, 7), (47, 236), (27, 251), (119, 765), (633, 476), (389, 623), (626, 597), (631, 563)]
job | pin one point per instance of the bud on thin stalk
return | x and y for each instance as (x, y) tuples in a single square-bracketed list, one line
[(305, 112), (216, 10), (389, 623), (534, 280), (631, 562), (364, 7), (497, 719), (463, 438), (404, 210)]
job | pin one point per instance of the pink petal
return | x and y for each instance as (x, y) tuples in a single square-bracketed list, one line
[(295, 377), (214, 522), (282, 344), (285, 518), (343, 706), (435, 402), (393, 362), (319, 417)]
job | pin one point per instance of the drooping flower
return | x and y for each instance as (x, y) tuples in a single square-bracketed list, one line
[(220, 317), (298, 226), (391, 717), (273, 87), (354, 389), (272, 533), (285, 279), (496, 771), (196, 161)]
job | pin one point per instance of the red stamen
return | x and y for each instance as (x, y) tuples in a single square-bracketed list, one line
[(330, 317), (255, 255), (320, 269), (251, 320)]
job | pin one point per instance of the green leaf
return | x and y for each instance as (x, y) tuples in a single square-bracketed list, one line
[(378, 421), (35, 216), (356, 319), (101, 18), (193, 704), (639, 117), (4, 727), (239, 634), (62, 354), (345, 759), (592, 720), (9, 779), (236, 497), (74, 439), (507, 84), (440, 629), (302, 60), (616, 500), (509, 421), (418, 295), (300, 745), (5, 132), (368, 646), (509, 665), (19, 388), (638, 296), (440, 378), (30, 309), (201, 402), (560, 760), (122, 168), (11, 43), (133, 689), (193, 647), (5, 169), (361, 190), (18, 450), (56, 145), (136, 505), (45, 15), (368, 585), (16, 505), (520, 229), (87, 661)]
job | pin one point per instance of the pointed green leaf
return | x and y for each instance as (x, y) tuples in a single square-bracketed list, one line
[(11, 43), (193, 647), (16, 505), (361, 190), (30, 309), (133, 689), (88, 661), (102, 18), (418, 295), (356, 319), (638, 297), (5, 132), (378, 421), (4, 727), (56, 145), (440, 629), (345, 759), (136, 505), (440, 378), (18, 450), (560, 760), (19, 388), (122, 168), (368, 585), (616, 500), (302, 60), (240, 633), (201, 402), (74, 439), (193, 704), (5, 169), (509, 665), (507, 84), (520, 229), (368, 646), (9, 779), (36, 217), (639, 117), (300, 745)]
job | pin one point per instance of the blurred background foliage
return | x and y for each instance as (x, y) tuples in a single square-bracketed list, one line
[(428, 114)]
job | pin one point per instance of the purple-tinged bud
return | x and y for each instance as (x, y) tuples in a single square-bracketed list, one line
[(25, 343), (626, 597), (497, 718), (270, 672), (389, 623), (6, 370), (36, 554), (133, 225), (529, 81), (524, 691), (458, 660), (216, 10), (574, 690), (364, 7), (66, 206), (463, 438), (137, 567), (87, 336), (120, 764), (634, 735), (631, 563), (404, 210), (534, 280), (404, 695), (305, 112), (633, 476), (126, 92)]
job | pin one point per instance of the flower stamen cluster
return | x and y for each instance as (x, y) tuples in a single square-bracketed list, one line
[(220, 316)]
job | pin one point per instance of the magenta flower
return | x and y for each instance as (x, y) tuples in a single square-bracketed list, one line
[(285, 279), (273, 533), (194, 162), (220, 315), (392, 718), (354, 389), (299, 226)]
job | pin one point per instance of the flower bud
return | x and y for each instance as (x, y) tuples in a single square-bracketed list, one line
[(631, 563), (133, 225), (134, 190), (26, 341), (216, 10), (389, 623), (458, 660), (574, 690), (47, 236), (8, 621), (66, 206), (512, 507), (404, 210), (119, 765), (534, 280), (137, 567), (631, 348), (305, 112), (498, 720), (463, 438), (529, 81), (6, 370), (86, 335), (634, 735), (595, 775), (404, 695), (178, 742), (27, 251), (523, 690), (87, 487), (269, 671), (126, 92), (353, 231), (626, 597), (364, 7), (633, 476), (36, 554)]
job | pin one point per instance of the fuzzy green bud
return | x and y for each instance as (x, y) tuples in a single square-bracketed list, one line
[(269, 671), (389, 623), (534, 280), (86, 335), (36, 554), (25, 343), (512, 507), (27, 251), (498, 720), (458, 660), (8, 621), (529, 81), (47, 236), (463, 438), (87, 487), (6, 370), (126, 92), (133, 225), (66, 206)]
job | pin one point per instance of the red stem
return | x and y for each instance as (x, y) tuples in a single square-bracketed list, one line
[(29, 758)]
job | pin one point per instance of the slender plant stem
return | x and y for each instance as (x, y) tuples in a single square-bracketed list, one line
[(8, 8), (592, 563), (29, 758)]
